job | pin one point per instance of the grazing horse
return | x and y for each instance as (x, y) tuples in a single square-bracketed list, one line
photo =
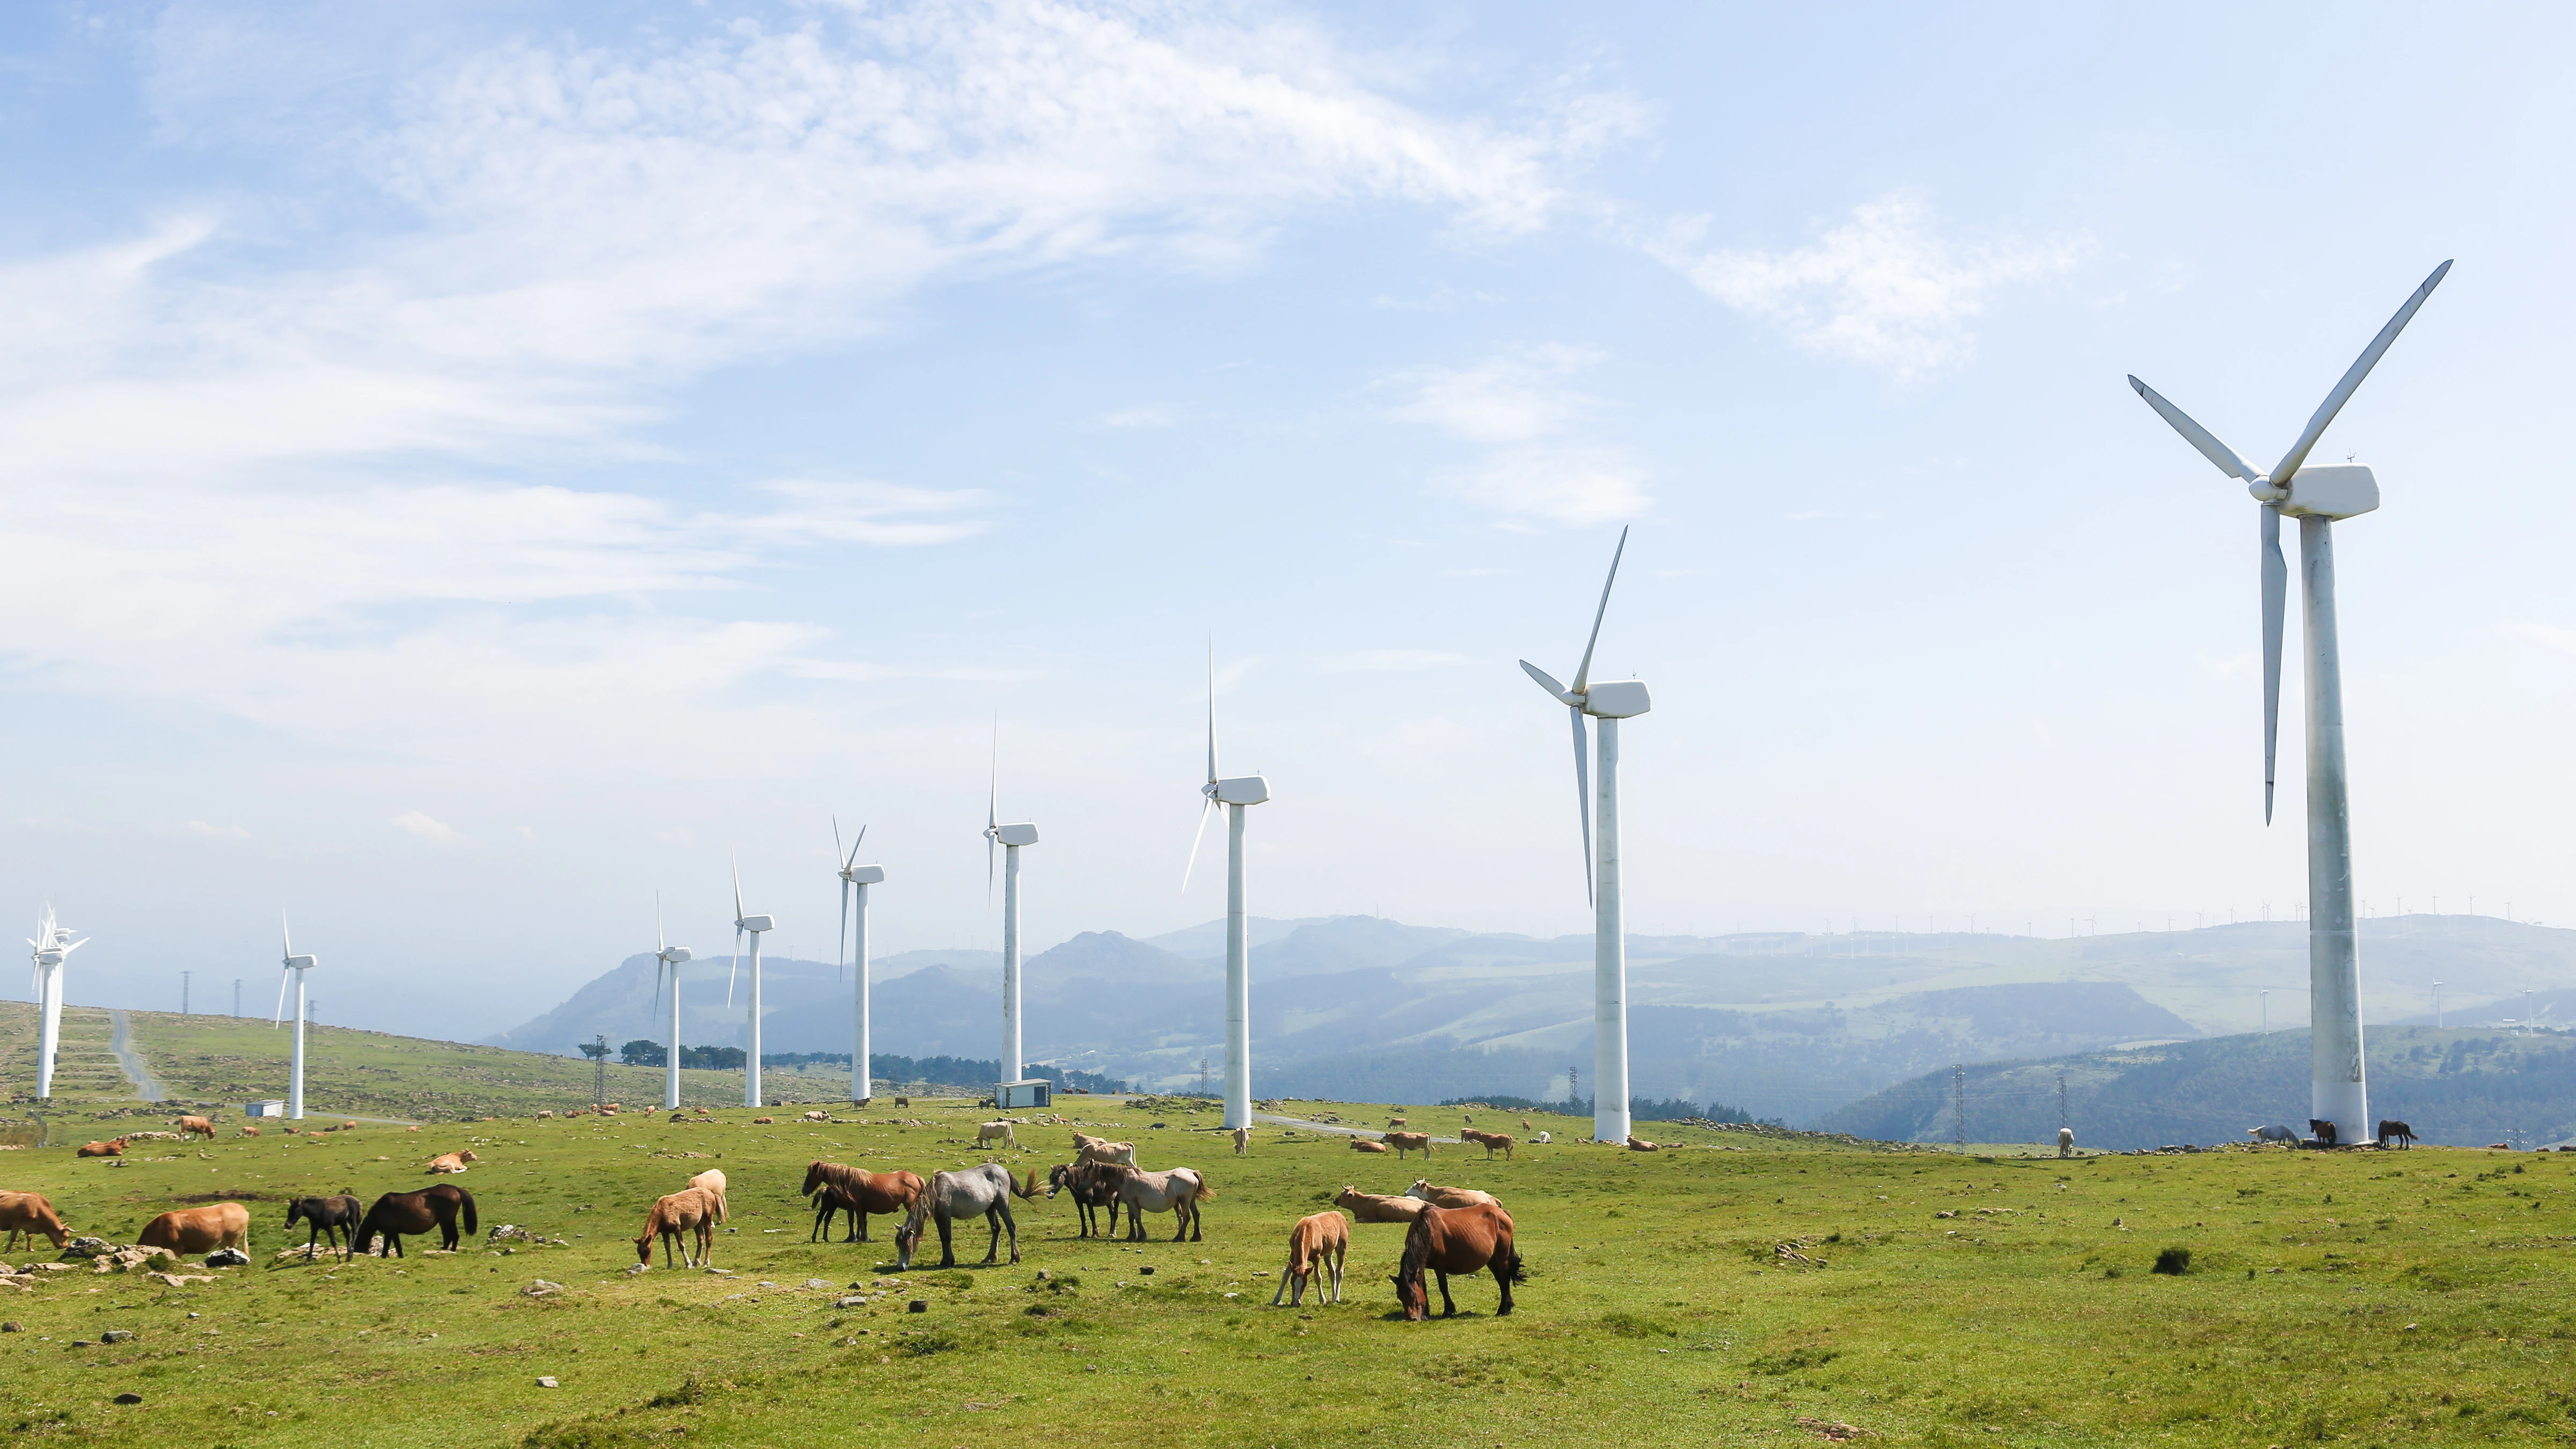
[(859, 1192), (1456, 1240), (690, 1210), (1243, 1142), (1094, 1186), (396, 1213), (1315, 1249), (2393, 1132), (27, 1214), (194, 1127), (969, 1192), (2066, 1142), (198, 1230), (1178, 1192), (1489, 1141), (712, 1183), (1438, 1196), (2323, 1130), (1404, 1142), (326, 1215), (1368, 1207)]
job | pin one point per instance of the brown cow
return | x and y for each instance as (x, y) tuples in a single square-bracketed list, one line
[(1363, 1144), (249, 1131), (1438, 1196), (1640, 1144), (1368, 1207), (1456, 1240), (1316, 1246), (112, 1148), (194, 1126), (27, 1214), (452, 1161), (198, 1230), (1489, 1141), (1404, 1142), (689, 1210)]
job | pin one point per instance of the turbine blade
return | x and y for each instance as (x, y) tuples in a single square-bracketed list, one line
[(1583, 796), (1185, 879), (1546, 681), (1195, 837), (1583, 675), (2276, 593), (841, 937), (2352, 377), (287, 935), (660, 942), (732, 961), (737, 888), (2193, 433), (280, 1018), (838, 861)]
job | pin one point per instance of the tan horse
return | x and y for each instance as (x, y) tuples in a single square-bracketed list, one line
[(1404, 1142), (25, 1214), (1101, 1149), (995, 1132), (859, 1193), (1456, 1240), (1489, 1141), (1243, 1142), (1178, 1191), (712, 1183), (1368, 1207), (195, 1127), (1315, 1246), (690, 1210), (198, 1230), (1438, 1196)]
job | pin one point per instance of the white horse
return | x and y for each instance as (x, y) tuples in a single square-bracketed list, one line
[(984, 1192), (1177, 1192)]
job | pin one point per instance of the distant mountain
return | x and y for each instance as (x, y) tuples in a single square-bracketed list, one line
[(2458, 1087)]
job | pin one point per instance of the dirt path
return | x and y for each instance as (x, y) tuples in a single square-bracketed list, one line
[(130, 1061), (1276, 1120)]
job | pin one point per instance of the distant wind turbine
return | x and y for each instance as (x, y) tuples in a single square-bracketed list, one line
[(754, 927), (53, 942), (1609, 702), (1010, 838), (855, 880), (290, 964), (1234, 795), (667, 959), (2317, 497)]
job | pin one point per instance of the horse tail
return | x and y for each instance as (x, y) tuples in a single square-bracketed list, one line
[(466, 1207), (1512, 1267), (1204, 1193)]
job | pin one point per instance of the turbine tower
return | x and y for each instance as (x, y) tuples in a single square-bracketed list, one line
[(1234, 795), (752, 926), (1608, 701), (666, 964), (855, 880), (52, 943), (290, 964), (2317, 497), (1010, 838)]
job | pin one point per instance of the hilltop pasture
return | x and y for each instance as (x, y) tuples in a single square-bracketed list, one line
[(1736, 1288)]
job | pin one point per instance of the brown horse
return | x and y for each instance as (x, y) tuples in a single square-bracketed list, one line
[(198, 1230), (2392, 1132), (329, 1215), (1456, 1240), (27, 1214), (1094, 1186), (1316, 1246), (860, 1192), (397, 1213), (691, 1210)]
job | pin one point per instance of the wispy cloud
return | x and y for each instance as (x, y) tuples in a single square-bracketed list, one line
[(1570, 485), (427, 831), (220, 832), (1883, 289), (1517, 401), (1146, 416), (1514, 397)]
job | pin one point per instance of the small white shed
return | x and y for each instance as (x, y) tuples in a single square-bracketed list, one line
[(264, 1109)]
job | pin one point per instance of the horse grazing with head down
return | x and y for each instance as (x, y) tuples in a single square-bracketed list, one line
[(855, 1190), (2393, 1132), (1316, 1246), (690, 1210), (397, 1213), (1456, 1240), (329, 1215), (972, 1192)]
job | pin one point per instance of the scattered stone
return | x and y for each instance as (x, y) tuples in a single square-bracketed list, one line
[(1043, 1276), (633, 1269), (129, 1398), (918, 1305), (87, 1248), (228, 1258), (116, 1335), (850, 1300), (547, 1381), (817, 1283), (542, 1289), (1148, 1271), (511, 1233), (182, 1280)]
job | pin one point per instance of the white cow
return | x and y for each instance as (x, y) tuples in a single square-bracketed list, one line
[(2066, 1142)]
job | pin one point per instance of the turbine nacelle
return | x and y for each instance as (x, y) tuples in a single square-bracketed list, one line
[(1241, 790), (755, 924), (1023, 833), (1615, 699), (674, 956), (301, 963), (864, 874), (2325, 490)]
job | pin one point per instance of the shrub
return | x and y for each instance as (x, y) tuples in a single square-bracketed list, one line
[(2173, 1261)]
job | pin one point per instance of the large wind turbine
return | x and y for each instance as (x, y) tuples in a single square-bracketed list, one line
[(1010, 838), (1234, 795), (855, 880), (290, 964), (667, 959), (2317, 497), (52, 943), (1608, 701), (752, 926)]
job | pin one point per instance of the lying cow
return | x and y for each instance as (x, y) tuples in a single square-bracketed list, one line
[(1439, 1196), (452, 1161), (189, 1231), (114, 1147), (1363, 1144)]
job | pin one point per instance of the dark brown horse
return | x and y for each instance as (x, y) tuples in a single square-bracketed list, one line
[(331, 1215), (1456, 1240), (858, 1192), (2394, 1132), (397, 1213), (1094, 1186)]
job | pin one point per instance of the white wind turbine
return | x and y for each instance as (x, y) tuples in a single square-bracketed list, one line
[(855, 880), (1010, 838), (1609, 701), (2317, 497), (752, 926), (53, 942), (1234, 795), (666, 965), (291, 964)]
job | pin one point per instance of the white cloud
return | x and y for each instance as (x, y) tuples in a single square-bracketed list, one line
[(1511, 398), (1516, 401), (220, 832), (1146, 416), (1882, 289), (1568, 485), (427, 831)]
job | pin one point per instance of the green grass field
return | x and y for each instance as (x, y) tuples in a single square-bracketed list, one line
[(2362, 1298)]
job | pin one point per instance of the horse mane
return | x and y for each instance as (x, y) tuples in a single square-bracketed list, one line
[(843, 1176)]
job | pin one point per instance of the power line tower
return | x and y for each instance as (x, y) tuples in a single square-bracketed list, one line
[(2062, 1123), (1959, 1104), (1574, 1089), (236, 996), (1203, 1069), (597, 1050)]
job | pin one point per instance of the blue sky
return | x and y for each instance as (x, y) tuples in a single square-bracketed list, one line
[(465, 474)]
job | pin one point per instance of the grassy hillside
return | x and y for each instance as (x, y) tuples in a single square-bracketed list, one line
[(2029, 1316), (2461, 1087)]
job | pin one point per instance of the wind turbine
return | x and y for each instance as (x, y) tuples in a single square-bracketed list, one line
[(1010, 838), (1609, 701), (53, 942), (2317, 497), (752, 926), (291, 964), (1234, 795), (666, 963), (855, 880)]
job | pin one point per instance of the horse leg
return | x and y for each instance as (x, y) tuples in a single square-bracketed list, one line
[(706, 1240), (1448, 1306), (993, 1249), (1194, 1220), (1012, 1223), (947, 1252), (1503, 1277), (858, 1232)]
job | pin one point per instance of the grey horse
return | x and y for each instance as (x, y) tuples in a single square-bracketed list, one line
[(969, 1192)]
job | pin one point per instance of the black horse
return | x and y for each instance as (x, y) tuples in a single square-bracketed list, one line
[(2392, 1132), (397, 1213), (327, 1215), (1092, 1189)]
